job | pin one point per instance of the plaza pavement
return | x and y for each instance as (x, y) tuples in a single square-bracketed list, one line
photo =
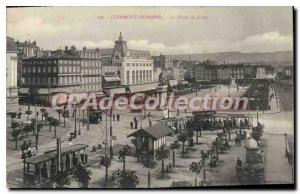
[(277, 168)]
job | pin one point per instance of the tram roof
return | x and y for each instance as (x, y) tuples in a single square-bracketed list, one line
[(51, 155)]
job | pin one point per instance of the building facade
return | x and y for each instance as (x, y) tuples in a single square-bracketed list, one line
[(25, 49), (11, 76), (91, 69), (135, 66), (216, 72), (171, 69), (57, 71)]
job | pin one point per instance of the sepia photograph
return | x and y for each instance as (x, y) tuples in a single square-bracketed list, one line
[(150, 97)]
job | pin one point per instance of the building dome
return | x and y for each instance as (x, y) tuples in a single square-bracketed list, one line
[(251, 144)]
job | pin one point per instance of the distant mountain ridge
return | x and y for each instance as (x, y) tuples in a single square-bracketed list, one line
[(278, 58)]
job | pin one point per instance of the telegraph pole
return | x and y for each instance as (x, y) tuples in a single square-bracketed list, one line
[(106, 134), (74, 112), (88, 118), (79, 133), (36, 128), (58, 151), (111, 135)]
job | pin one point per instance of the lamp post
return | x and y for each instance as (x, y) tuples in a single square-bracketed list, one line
[(74, 111), (83, 117), (257, 109), (111, 134), (79, 132)]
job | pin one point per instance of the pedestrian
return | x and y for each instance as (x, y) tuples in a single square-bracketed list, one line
[(134, 119), (135, 125), (37, 114), (29, 155), (118, 117), (113, 117), (23, 156), (149, 114), (236, 141), (131, 125)]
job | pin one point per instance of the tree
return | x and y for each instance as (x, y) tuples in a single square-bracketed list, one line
[(195, 167), (161, 154), (198, 130), (148, 162), (49, 118), (173, 147), (54, 122), (182, 137), (59, 113), (15, 133), (106, 162), (59, 179), (190, 134), (215, 147), (204, 157), (125, 151), (126, 179), (64, 115), (46, 115), (28, 112), (257, 132), (39, 126), (43, 110), (13, 115), (82, 175)]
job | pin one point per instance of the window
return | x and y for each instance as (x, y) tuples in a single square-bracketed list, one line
[(39, 69), (133, 77), (49, 69), (33, 69), (141, 76), (60, 69), (54, 69)]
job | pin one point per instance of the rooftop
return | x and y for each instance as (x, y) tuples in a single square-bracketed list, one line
[(156, 131)]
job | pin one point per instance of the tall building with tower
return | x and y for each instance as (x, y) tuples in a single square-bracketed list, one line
[(135, 66)]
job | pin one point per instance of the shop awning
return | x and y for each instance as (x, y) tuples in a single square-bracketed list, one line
[(111, 78), (113, 91), (23, 90), (143, 87)]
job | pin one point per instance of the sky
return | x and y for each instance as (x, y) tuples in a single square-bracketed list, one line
[(172, 30)]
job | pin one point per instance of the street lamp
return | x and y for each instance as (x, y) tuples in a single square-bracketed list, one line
[(83, 117), (74, 112), (257, 109), (79, 132)]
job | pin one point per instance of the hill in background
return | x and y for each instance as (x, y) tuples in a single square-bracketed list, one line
[(272, 58)]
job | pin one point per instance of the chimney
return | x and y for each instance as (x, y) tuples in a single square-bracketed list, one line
[(73, 49)]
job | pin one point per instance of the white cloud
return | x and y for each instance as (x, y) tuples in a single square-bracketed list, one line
[(34, 27)]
